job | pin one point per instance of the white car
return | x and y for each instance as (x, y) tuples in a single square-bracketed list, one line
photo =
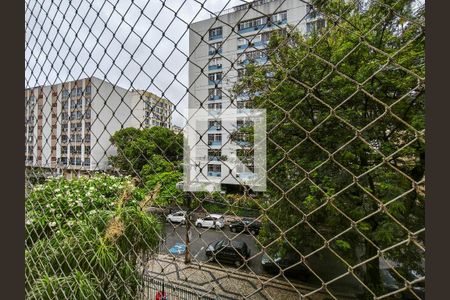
[(178, 217), (211, 221)]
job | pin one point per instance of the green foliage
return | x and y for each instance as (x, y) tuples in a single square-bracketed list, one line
[(158, 148), (169, 194), (344, 245), (367, 75), (84, 237)]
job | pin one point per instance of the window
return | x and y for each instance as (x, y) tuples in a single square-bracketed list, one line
[(215, 106), (88, 90), (87, 162), (87, 150), (242, 43), (215, 62), (214, 138), (279, 17), (214, 170), (215, 33), (213, 124), (240, 73), (215, 93), (215, 76), (65, 94), (215, 48), (244, 104), (252, 23), (214, 154), (79, 91), (315, 26), (64, 150)]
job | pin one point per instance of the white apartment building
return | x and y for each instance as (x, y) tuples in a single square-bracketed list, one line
[(68, 125), (219, 50)]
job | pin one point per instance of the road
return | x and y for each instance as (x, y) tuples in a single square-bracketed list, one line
[(328, 267)]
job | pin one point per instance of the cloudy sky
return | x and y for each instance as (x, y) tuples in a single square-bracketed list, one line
[(139, 44)]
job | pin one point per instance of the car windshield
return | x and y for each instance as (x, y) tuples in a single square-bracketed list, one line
[(219, 244)]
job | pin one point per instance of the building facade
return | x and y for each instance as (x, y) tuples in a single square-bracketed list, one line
[(219, 50), (68, 125)]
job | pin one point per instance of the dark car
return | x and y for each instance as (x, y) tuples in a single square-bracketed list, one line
[(228, 252), (392, 282), (289, 263), (246, 225)]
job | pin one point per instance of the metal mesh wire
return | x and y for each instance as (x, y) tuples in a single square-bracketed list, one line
[(112, 85)]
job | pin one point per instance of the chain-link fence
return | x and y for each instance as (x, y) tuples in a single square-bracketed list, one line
[(191, 149)]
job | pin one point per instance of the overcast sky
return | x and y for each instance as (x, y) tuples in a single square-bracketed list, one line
[(67, 40)]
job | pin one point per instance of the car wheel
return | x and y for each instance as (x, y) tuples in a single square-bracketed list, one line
[(233, 229), (199, 225), (218, 227)]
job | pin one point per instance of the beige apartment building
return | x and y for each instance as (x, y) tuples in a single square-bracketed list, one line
[(68, 125)]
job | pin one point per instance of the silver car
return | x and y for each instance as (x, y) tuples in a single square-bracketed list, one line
[(211, 221)]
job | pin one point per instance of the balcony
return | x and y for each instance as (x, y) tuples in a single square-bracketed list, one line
[(215, 97), (216, 51), (214, 111), (214, 67), (243, 144), (215, 37), (253, 44), (214, 158), (244, 111), (215, 143), (263, 26), (214, 128), (214, 82), (214, 174), (246, 176), (243, 96)]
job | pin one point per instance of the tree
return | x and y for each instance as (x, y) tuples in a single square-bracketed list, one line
[(157, 148), (85, 238), (345, 149)]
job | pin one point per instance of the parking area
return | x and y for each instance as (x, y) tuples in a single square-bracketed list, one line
[(327, 266)]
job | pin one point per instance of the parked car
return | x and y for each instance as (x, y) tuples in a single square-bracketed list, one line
[(246, 225), (289, 263), (228, 252), (392, 282), (211, 221), (178, 217)]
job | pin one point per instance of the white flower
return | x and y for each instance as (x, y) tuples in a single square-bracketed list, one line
[(52, 224)]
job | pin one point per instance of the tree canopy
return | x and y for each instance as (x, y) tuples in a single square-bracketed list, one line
[(351, 100), (146, 151)]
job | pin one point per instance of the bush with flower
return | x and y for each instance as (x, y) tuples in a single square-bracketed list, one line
[(86, 238)]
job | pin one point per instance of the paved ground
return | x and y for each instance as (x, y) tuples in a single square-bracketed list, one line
[(227, 283), (327, 268)]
